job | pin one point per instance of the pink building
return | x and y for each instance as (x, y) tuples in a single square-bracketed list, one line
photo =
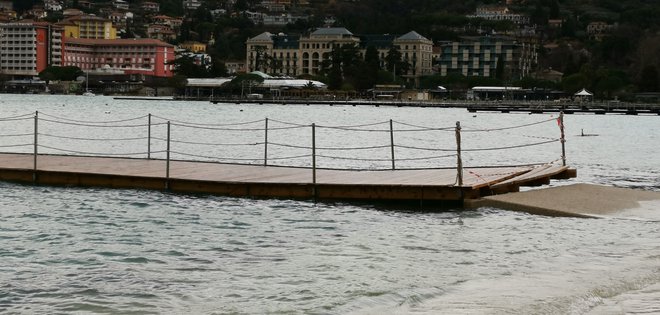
[(132, 56)]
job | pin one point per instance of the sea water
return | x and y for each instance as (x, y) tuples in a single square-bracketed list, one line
[(92, 250)]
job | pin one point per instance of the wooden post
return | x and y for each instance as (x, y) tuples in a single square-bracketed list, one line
[(392, 143), (167, 161), (562, 139), (266, 143), (36, 145), (314, 154), (459, 161), (149, 137)]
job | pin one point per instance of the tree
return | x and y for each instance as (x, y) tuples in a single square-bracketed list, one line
[(649, 79), (186, 66), (574, 82), (23, 5), (178, 81), (394, 63), (54, 73), (334, 72), (499, 68)]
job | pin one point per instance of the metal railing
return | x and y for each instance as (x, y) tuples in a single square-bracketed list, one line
[(137, 138)]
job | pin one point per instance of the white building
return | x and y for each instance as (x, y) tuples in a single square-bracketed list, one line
[(120, 4), (499, 13), (53, 5), (191, 4)]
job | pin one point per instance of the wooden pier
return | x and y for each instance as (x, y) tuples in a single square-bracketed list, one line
[(277, 159), (433, 185)]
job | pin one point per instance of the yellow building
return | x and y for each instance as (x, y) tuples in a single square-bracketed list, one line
[(195, 47), (88, 26)]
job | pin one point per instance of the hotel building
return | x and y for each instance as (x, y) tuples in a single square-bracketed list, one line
[(282, 54), (28, 48), (130, 56)]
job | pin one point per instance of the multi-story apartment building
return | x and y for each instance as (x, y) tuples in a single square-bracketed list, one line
[(282, 54), (88, 26), (478, 56), (131, 56), (28, 48)]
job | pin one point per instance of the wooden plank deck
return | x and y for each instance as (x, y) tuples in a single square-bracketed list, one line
[(267, 181)]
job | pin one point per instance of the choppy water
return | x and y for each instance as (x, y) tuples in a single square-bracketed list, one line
[(72, 250)]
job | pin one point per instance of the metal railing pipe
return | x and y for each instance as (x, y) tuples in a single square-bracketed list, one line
[(459, 160)]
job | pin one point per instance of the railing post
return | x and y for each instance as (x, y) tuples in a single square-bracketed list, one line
[(314, 154), (167, 159), (266, 143), (562, 139), (149, 137), (392, 143), (459, 161), (36, 145)]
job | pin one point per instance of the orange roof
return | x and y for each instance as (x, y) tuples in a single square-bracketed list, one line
[(119, 42)]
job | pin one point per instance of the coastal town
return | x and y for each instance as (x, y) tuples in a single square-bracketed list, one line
[(195, 49)]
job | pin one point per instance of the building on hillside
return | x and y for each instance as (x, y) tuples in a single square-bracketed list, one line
[(120, 4), (174, 23), (88, 26), (53, 5), (293, 55), (67, 13), (86, 4), (28, 48), (555, 23), (37, 12), (198, 59), (191, 5), (150, 6), (597, 30), (256, 17), (7, 15), (120, 18), (478, 56), (131, 56), (160, 32), (499, 13), (195, 47), (6, 4), (281, 19)]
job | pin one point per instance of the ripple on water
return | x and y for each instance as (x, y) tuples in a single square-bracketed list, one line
[(136, 260)]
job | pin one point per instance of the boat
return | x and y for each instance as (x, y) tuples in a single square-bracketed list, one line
[(87, 92)]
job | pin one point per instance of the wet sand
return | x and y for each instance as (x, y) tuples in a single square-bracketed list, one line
[(578, 200)]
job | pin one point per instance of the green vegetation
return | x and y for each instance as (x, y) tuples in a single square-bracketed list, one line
[(624, 59), (67, 73)]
